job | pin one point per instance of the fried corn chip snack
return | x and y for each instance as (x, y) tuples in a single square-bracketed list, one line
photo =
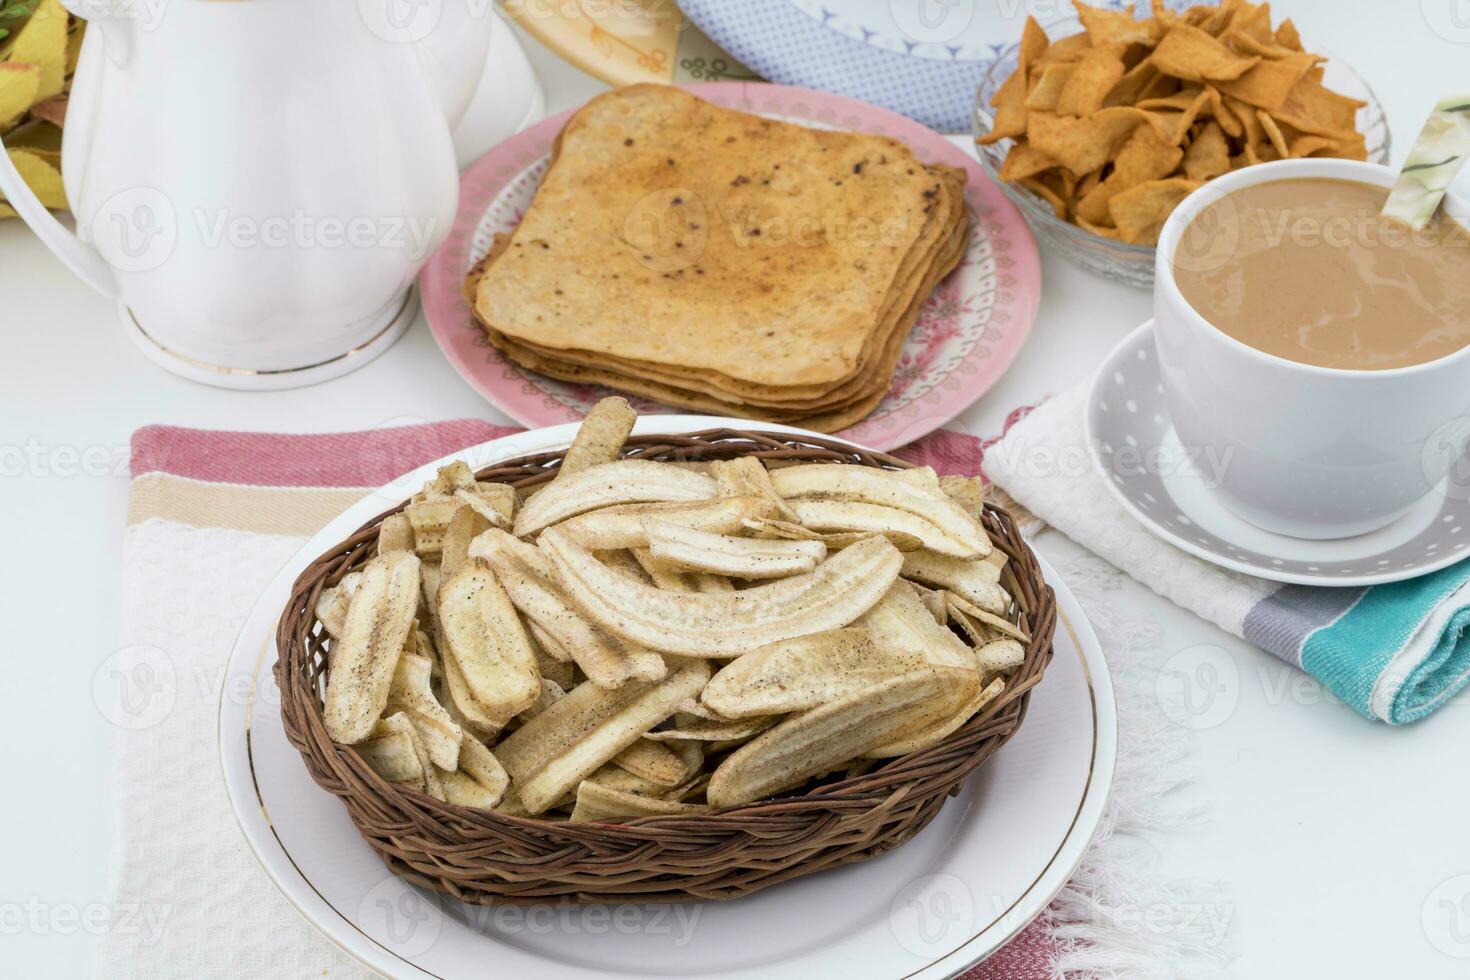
[(1112, 127)]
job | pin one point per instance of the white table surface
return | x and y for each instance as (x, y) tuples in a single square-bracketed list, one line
[(1335, 834)]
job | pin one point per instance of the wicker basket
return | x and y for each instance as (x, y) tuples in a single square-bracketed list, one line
[(487, 858)]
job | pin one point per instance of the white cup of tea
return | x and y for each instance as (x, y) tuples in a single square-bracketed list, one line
[(1307, 450)]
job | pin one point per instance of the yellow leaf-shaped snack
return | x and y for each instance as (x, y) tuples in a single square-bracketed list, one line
[(37, 136), (19, 84), (42, 42), (53, 110), (42, 178)]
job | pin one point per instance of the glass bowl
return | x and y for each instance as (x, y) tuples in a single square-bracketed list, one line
[(1133, 264)]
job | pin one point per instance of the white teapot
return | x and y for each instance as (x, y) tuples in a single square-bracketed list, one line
[(258, 182)]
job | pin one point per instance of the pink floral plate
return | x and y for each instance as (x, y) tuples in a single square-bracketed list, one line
[(966, 336)]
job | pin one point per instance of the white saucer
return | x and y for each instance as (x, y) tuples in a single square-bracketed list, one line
[(990, 862), (1170, 492)]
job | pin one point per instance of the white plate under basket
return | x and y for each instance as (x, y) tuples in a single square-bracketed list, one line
[(987, 865)]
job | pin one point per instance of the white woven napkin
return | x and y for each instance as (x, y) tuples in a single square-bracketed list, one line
[(203, 907)]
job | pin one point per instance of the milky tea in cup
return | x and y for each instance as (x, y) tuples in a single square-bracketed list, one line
[(1317, 349), (1308, 269)]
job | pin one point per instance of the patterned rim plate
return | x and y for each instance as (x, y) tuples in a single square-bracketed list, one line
[(968, 332), (623, 42), (1168, 490), (988, 865), (923, 58)]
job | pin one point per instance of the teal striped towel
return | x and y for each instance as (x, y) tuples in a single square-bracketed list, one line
[(1395, 653)]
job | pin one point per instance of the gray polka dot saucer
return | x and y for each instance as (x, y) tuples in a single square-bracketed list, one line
[(1171, 492)]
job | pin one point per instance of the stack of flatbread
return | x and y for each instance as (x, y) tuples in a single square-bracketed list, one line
[(722, 262)]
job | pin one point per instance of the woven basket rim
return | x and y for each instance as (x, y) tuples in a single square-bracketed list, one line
[(383, 812)]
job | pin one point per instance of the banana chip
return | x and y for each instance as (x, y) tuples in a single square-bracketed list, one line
[(494, 502), (724, 732), (449, 480), (333, 603), (529, 582), (866, 518), (653, 762), (748, 477), (466, 525), (977, 622), (1000, 656), (600, 438), (553, 752), (479, 763), (824, 738), (662, 574), (430, 519), (725, 625), (389, 752), (627, 481), (412, 693), (624, 781), (395, 534), (398, 724), (484, 637), (597, 802), (939, 732), (805, 672), (916, 492), (967, 491), (900, 623), (461, 790), (702, 551), (974, 580), (611, 528), (374, 632)]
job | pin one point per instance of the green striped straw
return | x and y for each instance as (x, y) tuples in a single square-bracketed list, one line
[(1433, 161)]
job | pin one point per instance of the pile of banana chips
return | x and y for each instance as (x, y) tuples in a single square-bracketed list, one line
[(639, 638)]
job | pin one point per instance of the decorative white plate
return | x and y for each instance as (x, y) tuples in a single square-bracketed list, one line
[(1169, 491), (923, 58), (987, 865)]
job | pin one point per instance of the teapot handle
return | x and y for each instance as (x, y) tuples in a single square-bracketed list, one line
[(82, 259), (75, 254)]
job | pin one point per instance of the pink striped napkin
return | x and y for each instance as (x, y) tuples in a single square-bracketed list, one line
[(196, 496)]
